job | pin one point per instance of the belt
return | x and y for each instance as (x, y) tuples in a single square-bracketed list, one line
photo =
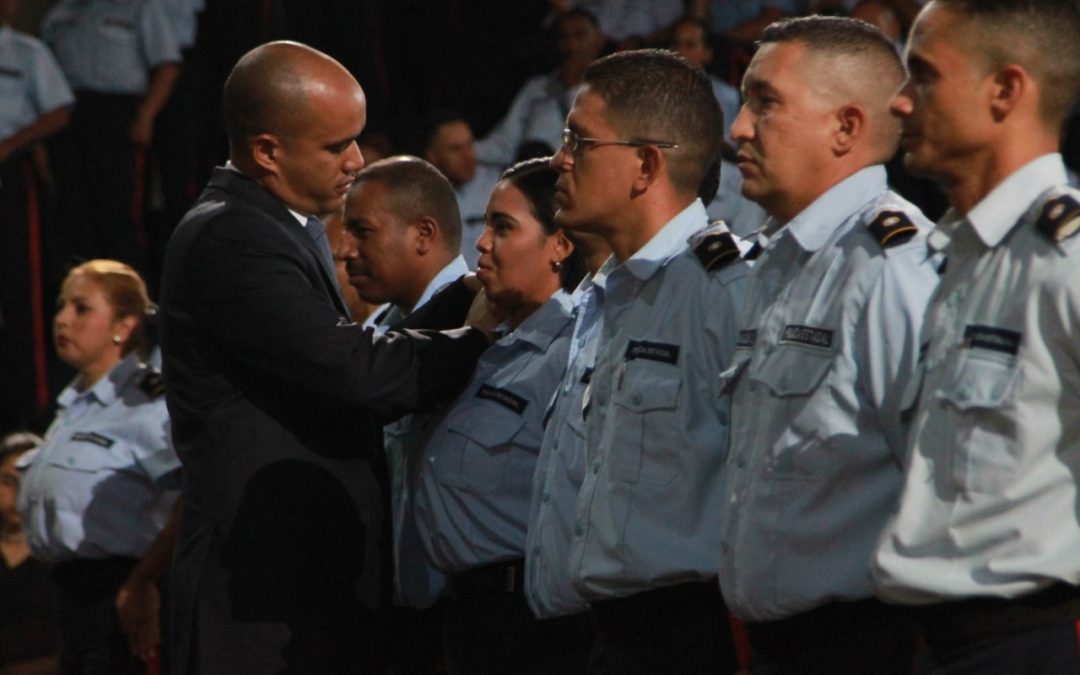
[(502, 577), (808, 630), (948, 623), (699, 598)]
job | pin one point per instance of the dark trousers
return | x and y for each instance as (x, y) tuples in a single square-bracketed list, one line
[(99, 181), (489, 628), (679, 629), (1031, 635), (91, 642), (867, 636)]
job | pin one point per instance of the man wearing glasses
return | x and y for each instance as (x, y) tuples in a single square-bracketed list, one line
[(642, 134)]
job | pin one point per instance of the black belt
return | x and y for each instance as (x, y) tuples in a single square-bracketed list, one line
[(949, 623), (699, 598), (501, 577), (813, 628)]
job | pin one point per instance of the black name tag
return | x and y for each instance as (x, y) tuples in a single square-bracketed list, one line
[(652, 351), (747, 338), (507, 399), (91, 437), (994, 339), (808, 335)]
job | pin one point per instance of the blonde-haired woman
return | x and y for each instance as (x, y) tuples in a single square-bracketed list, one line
[(96, 498)]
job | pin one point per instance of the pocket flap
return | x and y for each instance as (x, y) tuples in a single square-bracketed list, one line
[(488, 425), (980, 383), (649, 386), (791, 370)]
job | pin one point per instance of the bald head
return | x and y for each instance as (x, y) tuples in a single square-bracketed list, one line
[(849, 62), (272, 87)]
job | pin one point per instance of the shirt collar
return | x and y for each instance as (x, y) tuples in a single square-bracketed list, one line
[(817, 222), (667, 243), (454, 270), (544, 325), (1000, 211), (108, 388)]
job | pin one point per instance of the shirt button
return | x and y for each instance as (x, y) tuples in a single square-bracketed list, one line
[(721, 418), (636, 399), (596, 467), (964, 393), (547, 497), (536, 551), (740, 462), (71, 461), (578, 530)]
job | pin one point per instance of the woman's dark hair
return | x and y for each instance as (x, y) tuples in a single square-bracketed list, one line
[(536, 180)]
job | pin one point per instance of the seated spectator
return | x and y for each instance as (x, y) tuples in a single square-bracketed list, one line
[(97, 499), (538, 112), (690, 39), (472, 504), (450, 146), (27, 624), (741, 22), (628, 23)]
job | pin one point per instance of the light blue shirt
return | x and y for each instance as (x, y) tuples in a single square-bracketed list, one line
[(730, 101), (416, 583), (105, 479), (989, 506), (537, 113), (648, 513), (472, 506), (559, 471), (110, 46), (31, 83), (828, 341), (473, 198), (727, 14), (184, 19), (388, 314)]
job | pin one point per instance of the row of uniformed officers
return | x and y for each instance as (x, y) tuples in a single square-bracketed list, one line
[(857, 422)]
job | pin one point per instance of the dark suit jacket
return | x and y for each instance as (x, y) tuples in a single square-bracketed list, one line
[(275, 400)]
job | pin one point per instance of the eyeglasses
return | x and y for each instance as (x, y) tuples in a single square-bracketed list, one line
[(572, 142)]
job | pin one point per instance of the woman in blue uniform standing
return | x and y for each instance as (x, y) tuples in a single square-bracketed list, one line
[(97, 498), (472, 505)]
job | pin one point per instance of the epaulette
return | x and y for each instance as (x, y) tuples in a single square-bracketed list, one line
[(715, 247), (1060, 217), (892, 228), (152, 383)]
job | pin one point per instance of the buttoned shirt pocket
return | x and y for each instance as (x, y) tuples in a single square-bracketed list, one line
[(645, 406), (79, 475), (793, 374), (980, 392), (476, 446)]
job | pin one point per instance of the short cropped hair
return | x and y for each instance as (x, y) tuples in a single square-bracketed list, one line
[(417, 189), (536, 180), (657, 95), (840, 36), (1038, 35)]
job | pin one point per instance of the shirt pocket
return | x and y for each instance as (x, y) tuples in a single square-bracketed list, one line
[(980, 396), (79, 473), (646, 443), (793, 374), (478, 443)]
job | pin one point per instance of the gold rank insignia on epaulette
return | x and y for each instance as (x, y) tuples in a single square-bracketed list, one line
[(716, 250), (152, 383), (892, 228), (1060, 218)]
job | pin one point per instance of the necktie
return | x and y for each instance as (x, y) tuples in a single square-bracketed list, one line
[(317, 231)]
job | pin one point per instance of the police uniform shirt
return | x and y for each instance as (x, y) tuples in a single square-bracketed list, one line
[(416, 583), (622, 19), (648, 513), (110, 46), (828, 340), (472, 506), (560, 470), (989, 506), (725, 15), (31, 83), (184, 18), (388, 314), (472, 199), (537, 113), (104, 481)]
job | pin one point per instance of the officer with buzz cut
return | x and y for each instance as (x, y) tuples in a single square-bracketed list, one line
[(828, 340)]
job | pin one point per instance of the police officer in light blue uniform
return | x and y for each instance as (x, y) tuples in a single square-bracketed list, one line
[(122, 59), (35, 102), (472, 503), (97, 498), (828, 342)]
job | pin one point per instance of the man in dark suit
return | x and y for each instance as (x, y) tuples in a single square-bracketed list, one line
[(274, 394)]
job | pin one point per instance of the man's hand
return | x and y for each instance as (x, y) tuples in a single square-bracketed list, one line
[(142, 130), (138, 606), (483, 314)]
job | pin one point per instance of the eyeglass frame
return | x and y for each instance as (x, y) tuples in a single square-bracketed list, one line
[(569, 135)]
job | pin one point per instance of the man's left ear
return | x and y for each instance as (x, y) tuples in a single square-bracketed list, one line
[(427, 232), (850, 127), (1011, 85)]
